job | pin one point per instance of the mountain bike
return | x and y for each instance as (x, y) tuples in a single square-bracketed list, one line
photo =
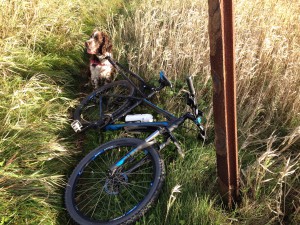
[(120, 180), (114, 100)]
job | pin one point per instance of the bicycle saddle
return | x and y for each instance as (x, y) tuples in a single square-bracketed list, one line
[(163, 80)]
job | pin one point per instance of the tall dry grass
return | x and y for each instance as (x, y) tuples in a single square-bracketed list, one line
[(172, 35), (268, 68)]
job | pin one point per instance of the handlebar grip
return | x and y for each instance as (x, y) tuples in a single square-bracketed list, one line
[(190, 85)]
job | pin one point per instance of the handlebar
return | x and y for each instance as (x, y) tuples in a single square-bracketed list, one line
[(191, 98), (190, 85)]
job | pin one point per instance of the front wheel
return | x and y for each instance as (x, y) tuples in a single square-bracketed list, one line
[(94, 197)]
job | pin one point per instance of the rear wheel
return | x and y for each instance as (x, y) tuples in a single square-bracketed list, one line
[(95, 197), (105, 102)]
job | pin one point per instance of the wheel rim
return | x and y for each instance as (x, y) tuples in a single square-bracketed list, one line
[(103, 198), (110, 104)]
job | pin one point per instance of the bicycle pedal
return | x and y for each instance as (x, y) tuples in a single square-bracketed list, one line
[(76, 125)]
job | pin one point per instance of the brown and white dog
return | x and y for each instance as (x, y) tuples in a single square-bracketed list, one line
[(99, 46)]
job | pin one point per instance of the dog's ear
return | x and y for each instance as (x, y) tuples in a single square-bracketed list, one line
[(107, 45)]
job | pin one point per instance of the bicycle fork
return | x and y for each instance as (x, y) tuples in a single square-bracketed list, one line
[(149, 141)]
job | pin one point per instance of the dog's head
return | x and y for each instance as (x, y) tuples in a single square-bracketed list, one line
[(98, 44)]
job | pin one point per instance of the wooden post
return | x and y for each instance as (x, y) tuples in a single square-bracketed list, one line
[(221, 35)]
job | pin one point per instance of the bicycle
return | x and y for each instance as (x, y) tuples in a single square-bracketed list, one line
[(120, 180), (114, 100)]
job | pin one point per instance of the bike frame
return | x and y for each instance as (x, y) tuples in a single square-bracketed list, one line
[(113, 127), (164, 128), (166, 114), (161, 127)]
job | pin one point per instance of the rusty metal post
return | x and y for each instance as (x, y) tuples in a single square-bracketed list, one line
[(221, 35)]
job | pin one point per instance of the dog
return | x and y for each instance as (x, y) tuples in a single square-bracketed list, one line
[(99, 46)]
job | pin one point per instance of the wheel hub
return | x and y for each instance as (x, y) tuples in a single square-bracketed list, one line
[(112, 184)]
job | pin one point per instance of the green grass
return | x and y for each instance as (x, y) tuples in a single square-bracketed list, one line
[(42, 69)]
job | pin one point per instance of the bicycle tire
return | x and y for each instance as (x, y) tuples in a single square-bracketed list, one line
[(121, 199), (88, 111)]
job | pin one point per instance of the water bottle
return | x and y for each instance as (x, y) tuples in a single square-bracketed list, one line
[(139, 118)]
